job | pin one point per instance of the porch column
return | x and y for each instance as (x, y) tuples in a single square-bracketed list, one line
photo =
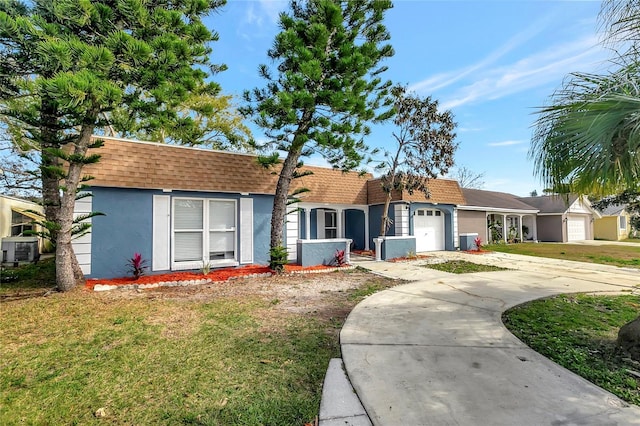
[(535, 227), (520, 226), (340, 231), (307, 223), (487, 240), (504, 227), (366, 229)]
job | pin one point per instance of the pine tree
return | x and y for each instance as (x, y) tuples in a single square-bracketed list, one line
[(65, 64), (202, 120), (325, 88)]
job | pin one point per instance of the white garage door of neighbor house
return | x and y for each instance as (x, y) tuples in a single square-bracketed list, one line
[(576, 228), (428, 228)]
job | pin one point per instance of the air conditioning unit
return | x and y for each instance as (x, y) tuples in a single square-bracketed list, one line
[(20, 249)]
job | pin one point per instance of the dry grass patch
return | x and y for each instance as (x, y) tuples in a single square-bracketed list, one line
[(244, 352)]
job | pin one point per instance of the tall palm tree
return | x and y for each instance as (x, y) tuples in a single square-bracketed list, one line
[(588, 139)]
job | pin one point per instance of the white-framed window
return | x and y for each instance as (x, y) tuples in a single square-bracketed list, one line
[(330, 224), (20, 224), (204, 231), (423, 212), (623, 223)]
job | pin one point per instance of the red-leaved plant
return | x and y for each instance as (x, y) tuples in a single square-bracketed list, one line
[(478, 243), (137, 265), (339, 258)]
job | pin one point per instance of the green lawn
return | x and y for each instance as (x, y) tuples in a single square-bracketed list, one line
[(632, 240), (31, 278), (617, 255), (152, 359), (579, 332)]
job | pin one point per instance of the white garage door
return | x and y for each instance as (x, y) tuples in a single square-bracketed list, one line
[(576, 228), (428, 228)]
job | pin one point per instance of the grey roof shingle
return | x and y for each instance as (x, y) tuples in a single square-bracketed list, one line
[(498, 200), (551, 203), (613, 210)]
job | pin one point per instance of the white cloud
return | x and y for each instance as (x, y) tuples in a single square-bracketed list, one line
[(260, 18), (505, 143), (272, 8), (251, 17), (538, 69), (443, 80), (469, 129)]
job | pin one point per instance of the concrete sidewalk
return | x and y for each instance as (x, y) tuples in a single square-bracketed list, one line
[(435, 352)]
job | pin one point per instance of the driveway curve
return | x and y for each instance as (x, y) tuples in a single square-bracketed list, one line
[(435, 351)]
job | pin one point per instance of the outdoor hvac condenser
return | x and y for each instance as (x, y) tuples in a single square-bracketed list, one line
[(20, 249)]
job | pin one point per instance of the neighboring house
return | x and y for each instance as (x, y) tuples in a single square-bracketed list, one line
[(563, 218), (432, 220), (181, 207), (15, 216), (16, 220), (496, 216), (614, 223)]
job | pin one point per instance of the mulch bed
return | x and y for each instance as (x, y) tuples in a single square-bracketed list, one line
[(371, 253), (478, 251), (215, 275)]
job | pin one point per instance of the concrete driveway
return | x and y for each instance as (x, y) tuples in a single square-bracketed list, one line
[(435, 351)]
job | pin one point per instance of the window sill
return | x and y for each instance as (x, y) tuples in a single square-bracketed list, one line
[(183, 266)]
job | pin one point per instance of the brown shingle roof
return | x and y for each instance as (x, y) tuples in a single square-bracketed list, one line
[(145, 165), (443, 191), (333, 186)]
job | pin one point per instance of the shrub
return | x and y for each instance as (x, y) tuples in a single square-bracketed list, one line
[(478, 243), (206, 268), (137, 265), (339, 258), (278, 258)]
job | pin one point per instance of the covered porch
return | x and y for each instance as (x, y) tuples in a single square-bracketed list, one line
[(511, 227), (323, 221)]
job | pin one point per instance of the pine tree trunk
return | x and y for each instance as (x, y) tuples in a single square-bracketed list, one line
[(51, 186), (281, 197), (65, 277), (67, 268), (64, 270)]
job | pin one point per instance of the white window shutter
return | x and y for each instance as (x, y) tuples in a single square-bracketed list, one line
[(82, 246), (321, 231), (161, 232), (401, 220), (246, 230)]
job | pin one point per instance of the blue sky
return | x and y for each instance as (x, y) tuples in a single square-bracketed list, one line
[(492, 63)]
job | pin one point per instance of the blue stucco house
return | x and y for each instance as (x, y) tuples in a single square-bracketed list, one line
[(182, 207)]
